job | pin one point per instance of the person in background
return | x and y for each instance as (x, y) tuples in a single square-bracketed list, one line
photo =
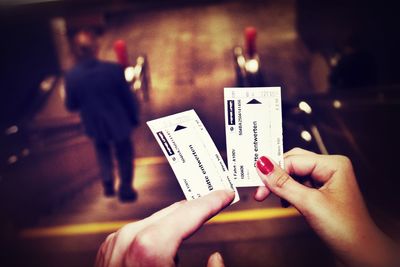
[(336, 211), (108, 110)]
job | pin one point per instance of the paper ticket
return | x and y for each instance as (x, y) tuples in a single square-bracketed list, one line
[(253, 126), (192, 154)]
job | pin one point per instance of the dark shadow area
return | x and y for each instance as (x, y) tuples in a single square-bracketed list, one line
[(368, 28)]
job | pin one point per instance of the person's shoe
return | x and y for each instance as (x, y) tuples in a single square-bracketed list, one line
[(127, 194), (108, 188)]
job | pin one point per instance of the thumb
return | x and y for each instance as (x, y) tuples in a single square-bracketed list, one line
[(215, 260), (282, 184)]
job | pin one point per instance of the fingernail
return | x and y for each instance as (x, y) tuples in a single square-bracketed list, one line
[(265, 165), (217, 256)]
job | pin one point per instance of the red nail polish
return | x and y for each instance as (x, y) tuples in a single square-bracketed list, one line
[(265, 165)]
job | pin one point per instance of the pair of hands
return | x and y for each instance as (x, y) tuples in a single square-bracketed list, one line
[(336, 212)]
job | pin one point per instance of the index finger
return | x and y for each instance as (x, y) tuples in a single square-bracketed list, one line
[(298, 151), (189, 217), (320, 167)]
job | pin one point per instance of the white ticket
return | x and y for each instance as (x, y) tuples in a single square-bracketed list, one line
[(253, 126), (192, 154)]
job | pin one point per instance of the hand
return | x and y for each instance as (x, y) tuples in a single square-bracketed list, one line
[(154, 241), (336, 211)]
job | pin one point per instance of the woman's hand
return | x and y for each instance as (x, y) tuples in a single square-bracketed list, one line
[(336, 211)]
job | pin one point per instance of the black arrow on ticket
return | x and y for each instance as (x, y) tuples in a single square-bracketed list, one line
[(254, 101), (179, 127)]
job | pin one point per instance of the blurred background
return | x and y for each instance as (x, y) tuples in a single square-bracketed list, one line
[(337, 65)]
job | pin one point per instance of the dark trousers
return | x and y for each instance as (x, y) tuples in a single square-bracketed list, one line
[(124, 155)]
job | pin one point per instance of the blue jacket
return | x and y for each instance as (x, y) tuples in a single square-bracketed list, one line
[(98, 90)]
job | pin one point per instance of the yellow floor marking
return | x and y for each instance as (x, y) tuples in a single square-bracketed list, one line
[(254, 215), (150, 160), (108, 227)]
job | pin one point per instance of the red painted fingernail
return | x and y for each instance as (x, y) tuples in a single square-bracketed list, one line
[(265, 165)]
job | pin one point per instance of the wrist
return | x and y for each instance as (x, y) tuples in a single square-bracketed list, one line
[(373, 249)]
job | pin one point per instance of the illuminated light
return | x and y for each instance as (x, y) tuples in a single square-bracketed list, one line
[(129, 74), (140, 60), (137, 85), (334, 60), (47, 83), (107, 227), (25, 152), (241, 61), (304, 106), (252, 65), (61, 92), (12, 159), (306, 136), (238, 51), (137, 70), (337, 104), (12, 130)]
